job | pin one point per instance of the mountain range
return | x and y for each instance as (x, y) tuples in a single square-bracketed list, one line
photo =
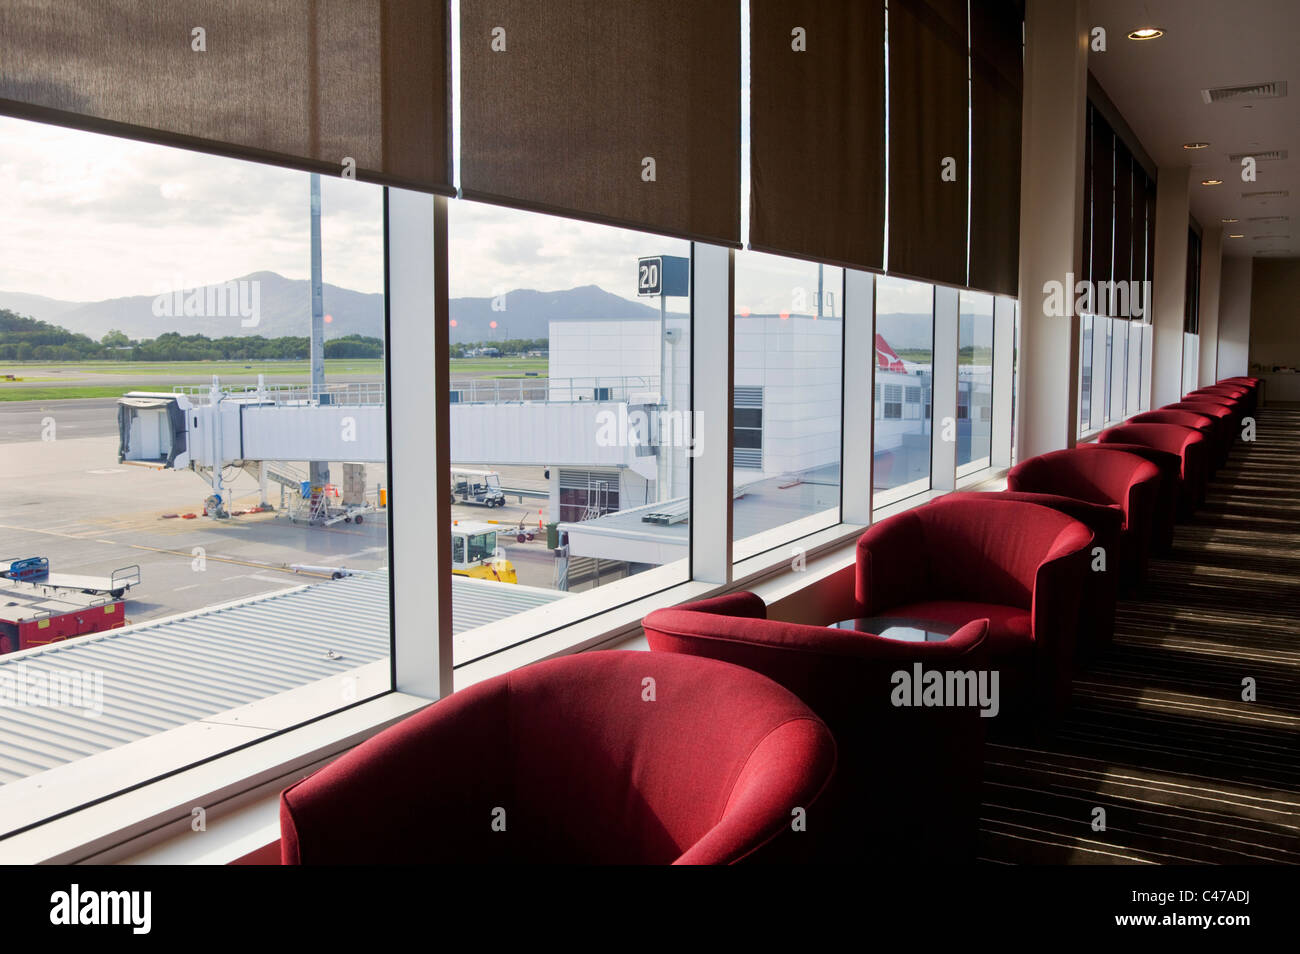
[(285, 310)]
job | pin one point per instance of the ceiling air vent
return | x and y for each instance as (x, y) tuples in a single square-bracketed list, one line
[(1220, 94), (1264, 238), (1269, 218), (1276, 194), (1266, 155)]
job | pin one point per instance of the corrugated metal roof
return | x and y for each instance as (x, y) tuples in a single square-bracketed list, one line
[(158, 676)]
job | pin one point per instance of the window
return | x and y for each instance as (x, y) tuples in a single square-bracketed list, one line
[(904, 369), (789, 342), (747, 428), (236, 493), (1085, 372), (573, 391), (1118, 367), (974, 382)]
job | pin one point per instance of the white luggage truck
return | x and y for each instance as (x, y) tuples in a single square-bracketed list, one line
[(209, 429)]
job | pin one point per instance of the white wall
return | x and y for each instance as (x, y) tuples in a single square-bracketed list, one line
[(1234, 317)]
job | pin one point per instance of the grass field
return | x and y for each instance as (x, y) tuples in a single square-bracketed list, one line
[(143, 369), (68, 380), (71, 392)]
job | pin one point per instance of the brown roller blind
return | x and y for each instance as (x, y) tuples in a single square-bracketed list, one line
[(1103, 199), (997, 91), (561, 115), (1151, 231), (817, 130), (1123, 255), (303, 83), (928, 99), (1085, 273)]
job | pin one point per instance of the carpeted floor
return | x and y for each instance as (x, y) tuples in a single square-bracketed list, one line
[(1159, 736)]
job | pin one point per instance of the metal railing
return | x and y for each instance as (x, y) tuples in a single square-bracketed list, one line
[(351, 393), (552, 390)]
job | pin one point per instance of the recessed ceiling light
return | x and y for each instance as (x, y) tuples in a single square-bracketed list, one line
[(1236, 235), (1146, 33), (1196, 145), (1211, 182), (1227, 221)]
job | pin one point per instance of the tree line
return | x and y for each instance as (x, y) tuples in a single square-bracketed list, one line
[(26, 339)]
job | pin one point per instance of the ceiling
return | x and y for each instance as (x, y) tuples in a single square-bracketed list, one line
[(1156, 85)]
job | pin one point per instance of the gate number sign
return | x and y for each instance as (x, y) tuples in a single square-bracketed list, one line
[(649, 276)]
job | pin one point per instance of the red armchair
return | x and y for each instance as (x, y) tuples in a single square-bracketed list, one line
[(580, 767), (1101, 585), (1221, 414), (1018, 565), (1184, 419), (1123, 481), (907, 785), (1190, 445), (1165, 514)]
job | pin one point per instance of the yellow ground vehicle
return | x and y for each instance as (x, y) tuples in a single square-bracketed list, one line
[(475, 553)]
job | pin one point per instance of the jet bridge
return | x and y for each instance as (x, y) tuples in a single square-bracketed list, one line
[(209, 429)]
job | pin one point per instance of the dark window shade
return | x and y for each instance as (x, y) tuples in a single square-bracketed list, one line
[(1151, 233), (302, 83), (997, 91), (817, 131), (1123, 255), (585, 89), (1085, 273), (1103, 200), (928, 101), (1192, 296)]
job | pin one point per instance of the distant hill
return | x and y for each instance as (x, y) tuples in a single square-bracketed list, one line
[(528, 313), (285, 308)]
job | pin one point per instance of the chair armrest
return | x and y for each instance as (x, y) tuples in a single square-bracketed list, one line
[(892, 565)]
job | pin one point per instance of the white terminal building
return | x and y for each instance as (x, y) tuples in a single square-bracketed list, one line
[(621, 495)]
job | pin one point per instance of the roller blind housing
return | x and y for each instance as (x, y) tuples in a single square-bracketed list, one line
[(817, 130), (625, 113), (310, 84)]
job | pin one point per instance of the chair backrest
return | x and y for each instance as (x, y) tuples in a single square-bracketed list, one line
[(1172, 438), (1106, 479), (989, 551), (1104, 521), (599, 757), (1207, 408), (1190, 419)]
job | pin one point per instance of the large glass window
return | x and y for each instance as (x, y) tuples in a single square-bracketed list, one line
[(1118, 367), (904, 385), (789, 353), (1086, 324), (974, 381), (570, 372), (194, 471)]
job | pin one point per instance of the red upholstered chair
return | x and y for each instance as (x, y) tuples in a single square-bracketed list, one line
[(580, 765), (907, 786), (1242, 397), (1101, 585), (1223, 418), (1018, 565), (1197, 422), (1123, 481), (1165, 514), (1190, 446)]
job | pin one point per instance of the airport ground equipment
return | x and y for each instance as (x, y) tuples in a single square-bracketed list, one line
[(477, 487), (476, 553), (41, 608), (35, 571)]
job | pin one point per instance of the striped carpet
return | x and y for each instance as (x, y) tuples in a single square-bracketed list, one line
[(1159, 736)]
